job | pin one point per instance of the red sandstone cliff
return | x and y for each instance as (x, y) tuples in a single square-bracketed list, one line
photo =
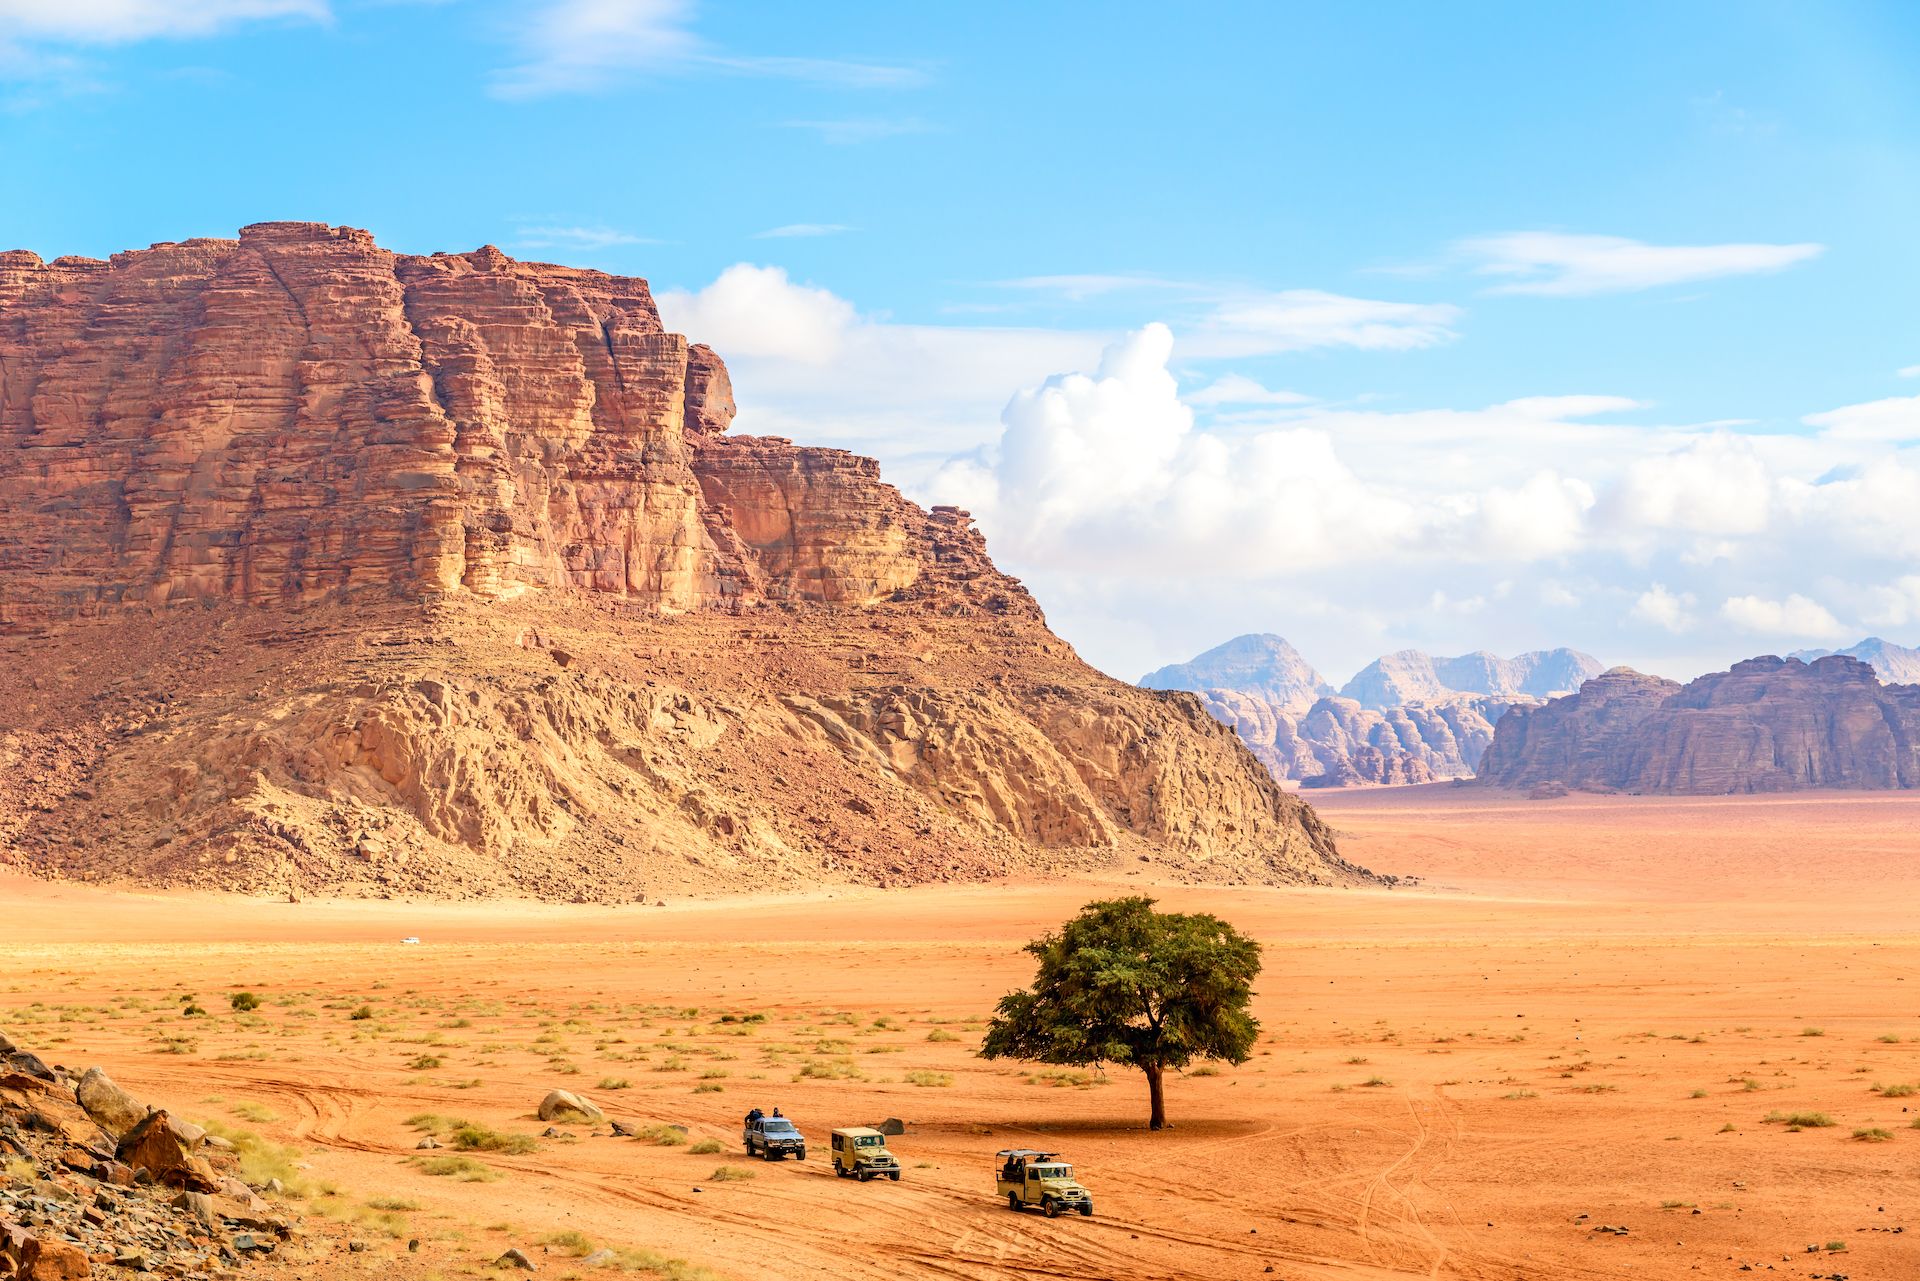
[(1768, 724), (324, 566)]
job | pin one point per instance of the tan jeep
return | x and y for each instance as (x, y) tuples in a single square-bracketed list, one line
[(861, 1153), (1028, 1177)]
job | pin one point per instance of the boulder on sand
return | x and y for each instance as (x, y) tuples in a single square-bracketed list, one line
[(565, 1105), (154, 1146), (112, 1108)]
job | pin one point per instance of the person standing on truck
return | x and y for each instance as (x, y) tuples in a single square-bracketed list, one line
[(757, 1114)]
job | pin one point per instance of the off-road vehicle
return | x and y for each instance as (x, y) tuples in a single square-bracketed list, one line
[(773, 1137), (1027, 1177), (861, 1153)]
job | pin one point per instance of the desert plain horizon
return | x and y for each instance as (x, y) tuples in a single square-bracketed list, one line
[(1554, 1056)]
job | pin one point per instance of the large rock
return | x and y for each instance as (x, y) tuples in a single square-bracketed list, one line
[(559, 633), (154, 1146), (42, 1259), (1767, 725), (565, 1105), (111, 1107)]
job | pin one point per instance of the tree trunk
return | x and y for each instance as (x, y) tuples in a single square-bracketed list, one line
[(1157, 1096)]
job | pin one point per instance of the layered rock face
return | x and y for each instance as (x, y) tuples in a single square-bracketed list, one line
[(323, 567), (1768, 724), (1339, 743)]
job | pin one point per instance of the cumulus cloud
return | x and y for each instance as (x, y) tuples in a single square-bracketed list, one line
[(580, 46), (757, 311), (1561, 264), (1672, 611), (1108, 468), (1796, 616), (807, 363)]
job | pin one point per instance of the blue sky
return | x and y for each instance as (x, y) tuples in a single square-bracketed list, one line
[(1486, 326)]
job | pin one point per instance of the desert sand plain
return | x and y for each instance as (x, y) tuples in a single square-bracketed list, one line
[(1579, 1019)]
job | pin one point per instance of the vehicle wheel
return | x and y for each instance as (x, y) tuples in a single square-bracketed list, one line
[(1086, 1212), (865, 1175), (839, 1173), (1050, 1208), (1013, 1202), (801, 1155), (895, 1176)]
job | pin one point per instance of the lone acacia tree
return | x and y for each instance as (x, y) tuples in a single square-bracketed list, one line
[(1123, 983)]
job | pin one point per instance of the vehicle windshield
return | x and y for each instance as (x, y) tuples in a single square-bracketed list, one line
[(1051, 1172), (868, 1141), (777, 1127)]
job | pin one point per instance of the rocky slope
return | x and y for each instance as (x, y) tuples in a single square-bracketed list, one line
[(1411, 676), (96, 1184), (323, 567), (1893, 664), (1768, 724)]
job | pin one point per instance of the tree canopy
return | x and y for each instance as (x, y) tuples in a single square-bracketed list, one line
[(1123, 983)]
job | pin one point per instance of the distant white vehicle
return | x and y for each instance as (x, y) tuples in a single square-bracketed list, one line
[(410, 939)]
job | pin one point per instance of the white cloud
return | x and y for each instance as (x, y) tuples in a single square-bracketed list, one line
[(802, 229), (120, 21), (1556, 408), (756, 311), (1672, 611), (1714, 486), (1566, 265), (1108, 469), (1238, 389), (1796, 616), (580, 46), (851, 133), (1304, 319), (1909, 371), (583, 238), (1896, 418), (808, 365)]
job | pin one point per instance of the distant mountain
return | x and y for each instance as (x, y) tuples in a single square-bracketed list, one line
[(1411, 676), (1894, 664), (1260, 664), (1413, 719), (1338, 743), (1766, 725)]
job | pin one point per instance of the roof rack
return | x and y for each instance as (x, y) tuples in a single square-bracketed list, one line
[(1024, 1154)]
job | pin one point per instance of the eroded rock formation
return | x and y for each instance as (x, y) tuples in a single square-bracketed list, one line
[(1767, 725), (1406, 718), (322, 567)]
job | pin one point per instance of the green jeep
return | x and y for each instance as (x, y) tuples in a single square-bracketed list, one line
[(1027, 1177)]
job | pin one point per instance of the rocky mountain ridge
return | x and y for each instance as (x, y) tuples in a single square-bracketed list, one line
[(1405, 718), (1894, 664), (1767, 724), (325, 568)]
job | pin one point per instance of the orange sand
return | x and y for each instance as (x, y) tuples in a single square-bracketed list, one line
[(1452, 1075)]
